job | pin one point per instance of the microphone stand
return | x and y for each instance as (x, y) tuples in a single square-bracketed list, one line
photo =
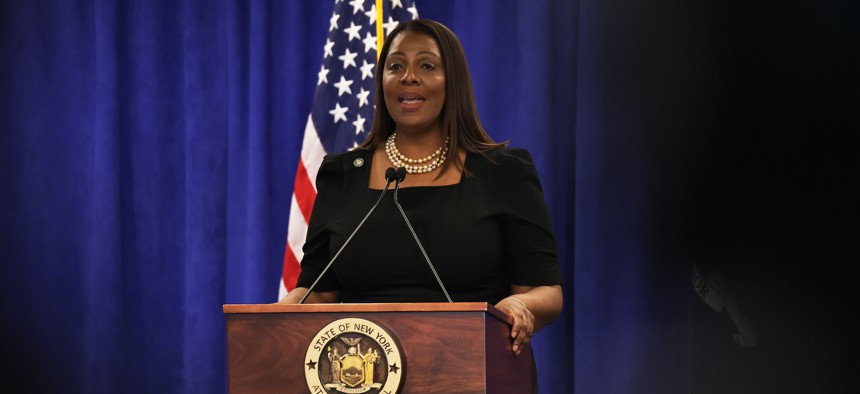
[(401, 174), (390, 174)]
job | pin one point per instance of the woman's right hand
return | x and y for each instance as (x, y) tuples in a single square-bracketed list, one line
[(316, 297)]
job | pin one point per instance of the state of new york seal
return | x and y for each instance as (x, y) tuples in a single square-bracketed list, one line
[(354, 355)]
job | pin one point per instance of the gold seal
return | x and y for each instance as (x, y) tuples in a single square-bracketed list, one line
[(353, 355), (358, 162)]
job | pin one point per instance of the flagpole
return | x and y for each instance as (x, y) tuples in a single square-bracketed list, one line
[(380, 35)]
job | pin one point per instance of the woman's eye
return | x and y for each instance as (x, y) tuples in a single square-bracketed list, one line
[(395, 66), (428, 66)]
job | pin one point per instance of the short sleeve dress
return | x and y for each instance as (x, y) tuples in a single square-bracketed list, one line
[(490, 230)]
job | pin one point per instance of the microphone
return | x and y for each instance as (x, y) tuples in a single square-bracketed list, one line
[(400, 175), (390, 175)]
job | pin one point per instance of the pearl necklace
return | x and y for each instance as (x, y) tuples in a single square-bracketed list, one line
[(415, 166)]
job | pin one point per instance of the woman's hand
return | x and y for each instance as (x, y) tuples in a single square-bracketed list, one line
[(524, 322), (325, 297), (531, 307)]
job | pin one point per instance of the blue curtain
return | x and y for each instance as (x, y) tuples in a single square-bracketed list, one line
[(147, 150)]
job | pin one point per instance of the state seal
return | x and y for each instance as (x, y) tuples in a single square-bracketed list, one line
[(354, 355)]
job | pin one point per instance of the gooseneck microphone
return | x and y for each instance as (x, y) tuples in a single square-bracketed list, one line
[(390, 175), (400, 175)]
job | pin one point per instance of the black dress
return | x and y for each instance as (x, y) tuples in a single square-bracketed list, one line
[(483, 234)]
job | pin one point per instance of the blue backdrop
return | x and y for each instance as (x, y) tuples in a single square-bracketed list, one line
[(147, 150)]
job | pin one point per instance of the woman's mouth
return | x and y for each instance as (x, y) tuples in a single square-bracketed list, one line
[(410, 101)]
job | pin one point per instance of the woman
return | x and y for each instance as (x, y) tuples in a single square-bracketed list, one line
[(476, 205)]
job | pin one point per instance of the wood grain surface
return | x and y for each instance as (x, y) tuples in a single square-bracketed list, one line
[(445, 348)]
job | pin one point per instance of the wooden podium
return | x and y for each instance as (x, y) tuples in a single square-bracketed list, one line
[(444, 347)]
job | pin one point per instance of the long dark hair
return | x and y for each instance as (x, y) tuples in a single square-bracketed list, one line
[(459, 116)]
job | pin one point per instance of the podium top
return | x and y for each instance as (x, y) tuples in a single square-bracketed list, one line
[(375, 307)]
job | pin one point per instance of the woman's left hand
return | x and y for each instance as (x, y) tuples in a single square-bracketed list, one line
[(524, 321)]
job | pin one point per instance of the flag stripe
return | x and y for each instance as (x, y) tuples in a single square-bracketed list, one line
[(312, 151), (297, 232), (293, 253), (304, 192), (291, 271)]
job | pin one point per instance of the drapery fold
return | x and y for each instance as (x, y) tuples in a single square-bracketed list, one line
[(148, 149), (142, 172)]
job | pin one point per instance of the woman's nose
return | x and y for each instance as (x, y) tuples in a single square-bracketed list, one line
[(409, 77)]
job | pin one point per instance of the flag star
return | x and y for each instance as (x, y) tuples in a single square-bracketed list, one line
[(348, 59), (414, 11), (391, 24), (369, 42), (353, 31), (395, 4), (322, 76), (362, 97), (339, 112), (366, 70), (371, 14), (357, 5), (333, 22), (359, 124), (327, 49), (343, 86)]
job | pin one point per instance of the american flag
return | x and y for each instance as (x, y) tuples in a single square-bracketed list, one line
[(342, 109)]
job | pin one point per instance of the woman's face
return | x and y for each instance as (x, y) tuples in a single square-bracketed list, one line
[(413, 82)]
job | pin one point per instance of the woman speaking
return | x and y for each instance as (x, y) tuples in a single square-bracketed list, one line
[(476, 205)]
